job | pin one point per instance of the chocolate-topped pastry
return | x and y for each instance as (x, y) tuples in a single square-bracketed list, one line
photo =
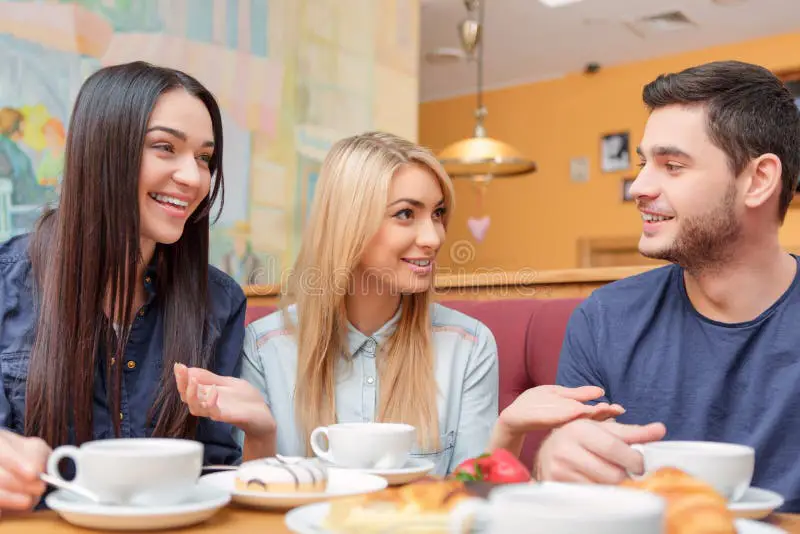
[(282, 475)]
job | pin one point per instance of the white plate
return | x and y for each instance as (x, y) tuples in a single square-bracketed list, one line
[(756, 503), (309, 520), (202, 503), (341, 483), (414, 469)]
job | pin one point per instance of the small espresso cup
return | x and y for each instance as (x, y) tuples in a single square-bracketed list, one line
[(135, 471), (364, 445), (727, 467), (555, 508)]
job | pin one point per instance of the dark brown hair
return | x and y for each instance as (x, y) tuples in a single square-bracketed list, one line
[(749, 111), (85, 253)]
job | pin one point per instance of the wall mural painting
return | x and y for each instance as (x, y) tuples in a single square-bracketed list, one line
[(291, 76)]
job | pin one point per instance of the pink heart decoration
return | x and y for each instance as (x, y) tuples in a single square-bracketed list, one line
[(478, 227)]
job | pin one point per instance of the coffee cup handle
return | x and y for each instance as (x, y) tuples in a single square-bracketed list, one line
[(468, 516), (316, 444), (65, 451), (54, 478)]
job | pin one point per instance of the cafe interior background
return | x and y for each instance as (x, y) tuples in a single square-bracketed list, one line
[(559, 80)]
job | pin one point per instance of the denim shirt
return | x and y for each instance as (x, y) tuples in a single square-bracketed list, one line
[(466, 376), (142, 363)]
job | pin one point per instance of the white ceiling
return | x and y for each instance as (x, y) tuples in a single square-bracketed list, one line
[(526, 41)]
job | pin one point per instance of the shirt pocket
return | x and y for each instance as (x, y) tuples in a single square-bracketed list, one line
[(440, 457)]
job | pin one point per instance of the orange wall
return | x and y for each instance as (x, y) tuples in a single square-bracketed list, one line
[(536, 220)]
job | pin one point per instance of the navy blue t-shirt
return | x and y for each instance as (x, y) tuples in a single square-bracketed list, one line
[(641, 339)]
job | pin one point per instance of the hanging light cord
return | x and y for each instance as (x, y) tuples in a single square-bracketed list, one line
[(481, 29)]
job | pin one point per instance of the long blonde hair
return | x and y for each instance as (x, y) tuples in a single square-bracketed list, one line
[(348, 209)]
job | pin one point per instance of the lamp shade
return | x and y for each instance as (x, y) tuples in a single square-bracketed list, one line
[(484, 156)]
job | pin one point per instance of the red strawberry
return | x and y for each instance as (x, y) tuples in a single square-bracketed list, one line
[(507, 469), (472, 468), (499, 467)]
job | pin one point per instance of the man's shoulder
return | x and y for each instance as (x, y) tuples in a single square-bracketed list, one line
[(636, 289)]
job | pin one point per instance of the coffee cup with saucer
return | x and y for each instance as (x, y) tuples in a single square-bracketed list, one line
[(727, 467), (382, 449), (140, 483)]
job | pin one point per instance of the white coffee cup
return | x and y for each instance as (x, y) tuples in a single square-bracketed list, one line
[(728, 467), (556, 508), (135, 471), (364, 445)]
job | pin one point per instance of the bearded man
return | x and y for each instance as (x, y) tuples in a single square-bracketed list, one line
[(708, 347)]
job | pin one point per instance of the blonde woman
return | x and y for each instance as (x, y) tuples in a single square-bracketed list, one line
[(358, 337)]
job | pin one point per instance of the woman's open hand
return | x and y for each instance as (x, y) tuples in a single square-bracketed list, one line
[(546, 407)]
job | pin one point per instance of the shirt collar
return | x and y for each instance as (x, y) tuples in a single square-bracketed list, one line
[(369, 345)]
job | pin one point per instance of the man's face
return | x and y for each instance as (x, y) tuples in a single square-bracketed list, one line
[(686, 192)]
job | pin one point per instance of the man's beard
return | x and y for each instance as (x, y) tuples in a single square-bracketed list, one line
[(704, 242)]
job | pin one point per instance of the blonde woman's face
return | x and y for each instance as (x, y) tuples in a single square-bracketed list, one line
[(400, 257)]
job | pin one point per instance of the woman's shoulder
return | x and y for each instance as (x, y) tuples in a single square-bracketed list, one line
[(274, 324), (15, 261), (448, 320), (221, 285), (15, 249)]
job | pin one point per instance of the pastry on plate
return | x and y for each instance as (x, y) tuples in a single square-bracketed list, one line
[(282, 475), (422, 507), (693, 507)]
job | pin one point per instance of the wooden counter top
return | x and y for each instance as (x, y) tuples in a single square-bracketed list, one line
[(233, 519), (496, 283)]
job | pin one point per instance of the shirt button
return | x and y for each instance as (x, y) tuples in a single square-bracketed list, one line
[(131, 364), (120, 416), (370, 380)]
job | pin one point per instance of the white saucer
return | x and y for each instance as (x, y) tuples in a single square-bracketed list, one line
[(202, 503), (414, 469), (756, 503), (748, 526), (309, 520), (341, 483)]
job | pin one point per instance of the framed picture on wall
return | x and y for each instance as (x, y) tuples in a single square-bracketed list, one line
[(615, 152), (626, 189)]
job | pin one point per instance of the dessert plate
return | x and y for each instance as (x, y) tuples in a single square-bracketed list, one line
[(341, 483)]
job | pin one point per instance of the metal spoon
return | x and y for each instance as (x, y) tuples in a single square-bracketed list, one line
[(77, 490)]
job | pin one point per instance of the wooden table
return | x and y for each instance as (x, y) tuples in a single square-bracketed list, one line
[(232, 519)]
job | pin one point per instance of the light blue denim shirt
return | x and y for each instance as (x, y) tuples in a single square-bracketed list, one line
[(466, 374)]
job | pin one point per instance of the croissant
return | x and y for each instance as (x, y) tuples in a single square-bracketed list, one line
[(693, 507)]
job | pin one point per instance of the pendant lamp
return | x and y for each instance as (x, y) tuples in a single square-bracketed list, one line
[(481, 157)]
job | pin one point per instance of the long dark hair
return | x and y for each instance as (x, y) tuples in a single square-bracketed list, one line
[(85, 253)]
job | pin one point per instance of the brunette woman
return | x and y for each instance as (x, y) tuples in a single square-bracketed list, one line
[(113, 288)]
